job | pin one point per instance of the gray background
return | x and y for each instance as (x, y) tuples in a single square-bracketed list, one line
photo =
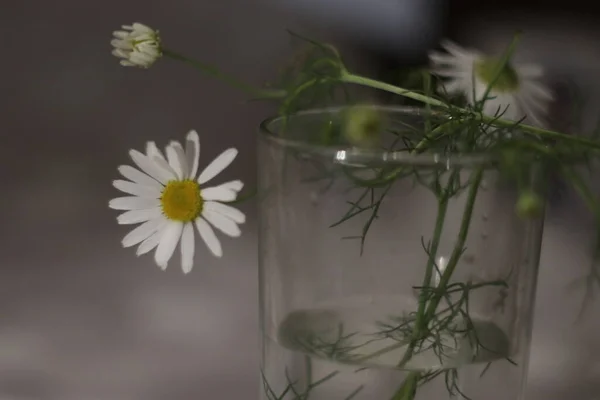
[(83, 319)]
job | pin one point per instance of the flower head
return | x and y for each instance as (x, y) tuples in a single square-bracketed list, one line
[(516, 92), (167, 200), (137, 45)]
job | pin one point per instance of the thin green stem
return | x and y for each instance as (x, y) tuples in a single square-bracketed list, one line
[(421, 322), (427, 307), (232, 81), (458, 247), (408, 390), (375, 84)]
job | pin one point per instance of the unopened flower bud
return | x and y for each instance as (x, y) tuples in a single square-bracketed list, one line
[(529, 205), (363, 126)]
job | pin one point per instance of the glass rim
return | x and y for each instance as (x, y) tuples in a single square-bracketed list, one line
[(354, 155)]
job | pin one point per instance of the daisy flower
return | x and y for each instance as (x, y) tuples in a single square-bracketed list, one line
[(136, 45), (168, 201), (517, 93)]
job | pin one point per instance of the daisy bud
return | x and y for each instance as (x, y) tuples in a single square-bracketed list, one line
[(362, 126), (529, 205), (136, 45)]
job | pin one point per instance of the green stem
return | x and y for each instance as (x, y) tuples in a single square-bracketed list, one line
[(425, 311), (421, 323), (363, 81), (375, 84), (214, 72), (408, 390), (458, 247)]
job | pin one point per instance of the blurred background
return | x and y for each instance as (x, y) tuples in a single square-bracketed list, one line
[(83, 319)]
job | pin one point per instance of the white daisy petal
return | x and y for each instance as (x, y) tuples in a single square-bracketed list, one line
[(192, 152), (151, 242), (531, 110), (142, 232), (187, 248), (153, 151), (209, 237), (217, 165), (166, 166), (532, 103), (136, 189), (228, 211), (150, 167), (530, 71), (133, 203), (458, 51), (137, 216), (175, 162), (168, 243), (452, 86), (537, 90), (440, 59), (218, 193), (177, 159), (236, 185), (222, 223), (139, 177)]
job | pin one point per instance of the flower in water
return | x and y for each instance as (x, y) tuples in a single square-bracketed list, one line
[(167, 200), (515, 94), (136, 45)]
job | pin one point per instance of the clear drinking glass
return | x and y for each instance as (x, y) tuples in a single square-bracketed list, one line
[(385, 273)]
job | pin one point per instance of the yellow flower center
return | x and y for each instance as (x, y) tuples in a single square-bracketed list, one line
[(181, 200), (486, 70)]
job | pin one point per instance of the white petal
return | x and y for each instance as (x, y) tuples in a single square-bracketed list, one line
[(136, 189), (534, 112), (451, 73), (222, 223), (137, 216), (209, 237), (153, 151), (149, 166), (236, 185), (133, 203), (120, 34), (139, 177), (187, 248), (459, 51), (537, 90), (150, 243), (168, 243), (166, 166), (217, 165), (218, 193), (177, 161), (142, 28), (454, 86), (142, 232), (228, 211), (532, 103), (530, 71), (192, 152)]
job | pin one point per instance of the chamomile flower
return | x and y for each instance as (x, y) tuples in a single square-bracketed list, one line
[(168, 200), (136, 45), (517, 93)]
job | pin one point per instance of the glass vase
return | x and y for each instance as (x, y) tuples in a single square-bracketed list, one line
[(390, 274)]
